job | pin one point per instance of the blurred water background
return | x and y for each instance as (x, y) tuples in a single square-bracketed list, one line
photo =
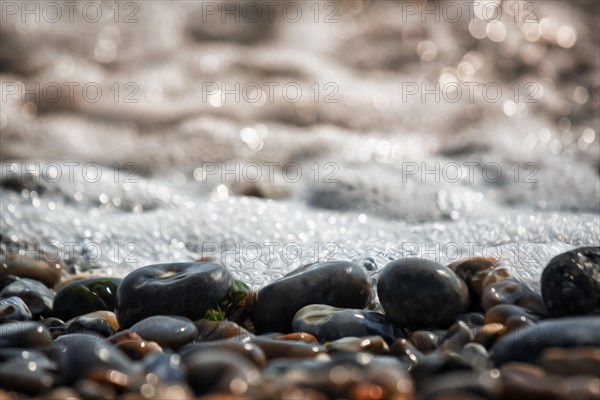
[(139, 132)]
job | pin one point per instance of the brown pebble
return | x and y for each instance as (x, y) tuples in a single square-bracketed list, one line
[(502, 312), (369, 344), (288, 349), (576, 361), (526, 381), (133, 345), (489, 333), (24, 265), (474, 271), (425, 341), (496, 275), (406, 351), (298, 336)]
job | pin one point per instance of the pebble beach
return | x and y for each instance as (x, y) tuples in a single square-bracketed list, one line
[(300, 200)]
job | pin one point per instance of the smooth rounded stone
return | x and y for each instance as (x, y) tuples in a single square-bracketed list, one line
[(339, 284), (571, 282), (90, 389), (14, 309), (438, 363), (331, 323), (526, 381), (167, 331), (426, 341), (218, 330), (250, 351), (502, 312), (298, 336), (85, 355), (406, 351), (511, 291), (527, 344), (369, 344), (55, 326), (220, 371), (133, 345), (338, 377), (496, 275), (578, 361), (288, 349), (421, 294), (456, 337), (473, 319), (85, 296), (473, 272), (30, 375), (24, 334), (35, 294), (167, 366), (182, 289), (25, 265), (462, 385), (476, 355), (489, 334), (90, 322)]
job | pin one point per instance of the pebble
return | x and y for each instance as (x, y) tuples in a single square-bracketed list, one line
[(369, 344), (167, 331), (133, 345), (288, 349), (426, 341), (421, 294), (93, 322), (218, 330), (331, 323), (339, 284), (527, 344), (32, 266), (501, 313), (85, 296), (184, 289), (571, 282), (166, 366), (579, 361), (24, 334), (14, 309), (250, 351), (473, 272), (34, 293), (511, 291), (220, 371), (26, 374), (84, 354)]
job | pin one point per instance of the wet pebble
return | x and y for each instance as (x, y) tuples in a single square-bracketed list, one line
[(501, 313), (92, 322), (369, 344), (85, 296), (33, 266), (580, 361), (218, 330), (511, 291), (426, 341), (84, 355), (167, 366), (288, 349), (24, 334), (420, 294), (250, 351), (14, 309), (527, 344), (220, 371), (167, 331), (331, 323), (34, 293), (133, 345), (339, 284), (473, 272), (183, 289), (571, 282), (27, 374)]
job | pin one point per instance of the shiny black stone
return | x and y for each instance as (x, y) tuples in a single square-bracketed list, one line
[(184, 289), (571, 282), (85, 296), (421, 294)]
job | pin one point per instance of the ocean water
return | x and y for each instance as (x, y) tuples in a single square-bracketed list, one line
[(362, 131)]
